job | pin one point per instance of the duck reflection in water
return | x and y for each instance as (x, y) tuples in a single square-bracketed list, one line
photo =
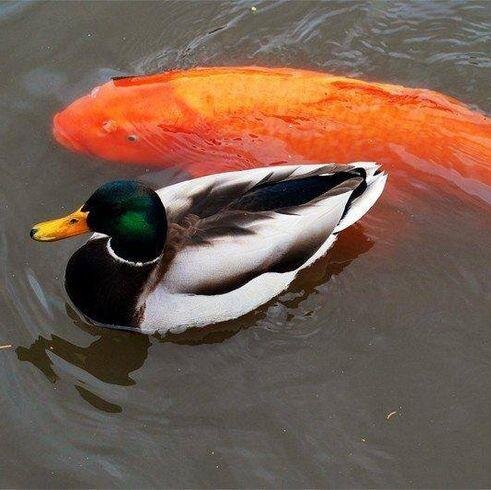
[(129, 350)]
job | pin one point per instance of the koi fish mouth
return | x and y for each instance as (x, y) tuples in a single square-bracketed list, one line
[(63, 137)]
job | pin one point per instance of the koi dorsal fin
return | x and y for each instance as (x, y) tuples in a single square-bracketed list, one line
[(142, 79)]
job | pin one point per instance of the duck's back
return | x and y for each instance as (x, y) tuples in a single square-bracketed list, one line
[(246, 249)]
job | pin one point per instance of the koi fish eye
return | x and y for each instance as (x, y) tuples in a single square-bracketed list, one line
[(132, 137)]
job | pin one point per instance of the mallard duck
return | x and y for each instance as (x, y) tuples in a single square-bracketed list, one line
[(209, 249)]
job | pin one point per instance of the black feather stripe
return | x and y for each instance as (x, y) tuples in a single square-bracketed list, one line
[(329, 168), (295, 192)]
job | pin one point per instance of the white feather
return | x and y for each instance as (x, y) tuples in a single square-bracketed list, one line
[(183, 311)]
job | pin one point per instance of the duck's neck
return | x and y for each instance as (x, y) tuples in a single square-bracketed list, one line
[(141, 251), (139, 237)]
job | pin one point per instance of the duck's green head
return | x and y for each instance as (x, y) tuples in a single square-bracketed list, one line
[(129, 212)]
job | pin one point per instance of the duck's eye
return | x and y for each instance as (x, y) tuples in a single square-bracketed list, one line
[(73, 221), (132, 137)]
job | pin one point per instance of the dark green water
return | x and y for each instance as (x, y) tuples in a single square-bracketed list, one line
[(395, 319)]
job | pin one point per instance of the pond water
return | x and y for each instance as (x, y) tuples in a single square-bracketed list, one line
[(372, 370)]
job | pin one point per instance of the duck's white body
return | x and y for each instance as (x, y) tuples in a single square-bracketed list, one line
[(227, 274)]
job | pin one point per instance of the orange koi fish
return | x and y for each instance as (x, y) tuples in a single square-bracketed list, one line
[(210, 120)]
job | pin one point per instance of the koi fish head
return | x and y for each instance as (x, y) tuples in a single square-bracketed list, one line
[(112, 125)]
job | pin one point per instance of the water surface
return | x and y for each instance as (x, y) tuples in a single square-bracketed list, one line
[(371, 371)]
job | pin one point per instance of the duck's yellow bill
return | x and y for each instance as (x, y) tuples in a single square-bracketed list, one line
[(57, 229)]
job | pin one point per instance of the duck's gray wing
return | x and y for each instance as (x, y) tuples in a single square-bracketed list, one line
[(246, 254), (206, 196)]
